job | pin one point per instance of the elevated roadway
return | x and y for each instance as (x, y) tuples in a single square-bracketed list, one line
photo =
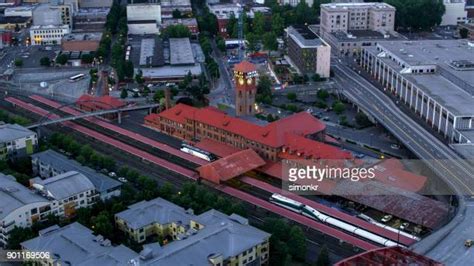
[(449, 166)]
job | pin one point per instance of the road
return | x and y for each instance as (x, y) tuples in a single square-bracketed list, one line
[(223, 92), (449, 166)]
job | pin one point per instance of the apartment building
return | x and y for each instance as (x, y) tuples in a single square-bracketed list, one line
[(48, 164), (434, 78), (309, 53), (211, 238), (348, 27), (19, 206), (16, 141), (75, 244), (293, 2), (48, 35), (67, 192), (155, 217)]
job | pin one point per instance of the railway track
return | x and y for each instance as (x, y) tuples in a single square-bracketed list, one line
[(176, 178)]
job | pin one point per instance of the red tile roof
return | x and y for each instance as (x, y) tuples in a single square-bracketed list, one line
[(272, 135), (217, 148), (231, 166), (245, 66), (392, 172), (304, 148), (103, 102)]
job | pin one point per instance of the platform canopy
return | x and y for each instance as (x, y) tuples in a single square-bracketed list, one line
[(231, 166)]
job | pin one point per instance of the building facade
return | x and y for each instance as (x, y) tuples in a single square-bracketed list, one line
[(48, 164), (48, 35), (310, 54), (357, 16), (418, 73), (193, 239), (143, 18), (455, 12), (16, 141), (20, 207), (67, 192)]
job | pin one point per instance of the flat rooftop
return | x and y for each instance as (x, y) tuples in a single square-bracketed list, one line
[(181, 52), (85, 36), (345, 6), (454, 61), (304, 37), (362, 35)]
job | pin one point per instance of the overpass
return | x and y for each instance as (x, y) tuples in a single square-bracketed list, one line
[(96, 113), (445, 244)]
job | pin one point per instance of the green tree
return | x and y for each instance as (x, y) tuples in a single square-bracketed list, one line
[(128, 69), (291, 96), (264, 90), (86, 152), (259, 24), (231, 26), (166, 190), (139, 77), (221, 44), (124, 94), (62, 59), (297, 239), (316, 77), (87, 58), (176, 14), (176, 31), (323, 258), (45, 61), (322, 94), (18, 62), (18, 235), (158, 96), (208, 23), (278, 24), (270, 41), (252, 41), (362, 120), (419, 14), (102, 224), (83, 216), (338, 107), (463, 32)]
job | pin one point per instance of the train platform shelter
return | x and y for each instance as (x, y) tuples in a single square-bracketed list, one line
[(410, 206), (217, 148), (231, 166), (388, 256)]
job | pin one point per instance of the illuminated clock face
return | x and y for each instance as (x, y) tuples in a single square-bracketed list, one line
[(249, 81), (241, 81)]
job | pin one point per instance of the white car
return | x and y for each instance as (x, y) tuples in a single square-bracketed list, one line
[(404, 226), (112, 174), (387, 218), (395, 146), (122, 179)]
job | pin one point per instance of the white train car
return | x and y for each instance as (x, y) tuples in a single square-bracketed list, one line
[(316, 215)]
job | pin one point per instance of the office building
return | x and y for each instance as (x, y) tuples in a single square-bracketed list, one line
[(67, 192), (434, 78), (48, 35), (357, 16), (20, 207), (16, 141), (309, 53), (348, 27), (49, 164), (455, 12)]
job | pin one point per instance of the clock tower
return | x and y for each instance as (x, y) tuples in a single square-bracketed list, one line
[(245, 75)]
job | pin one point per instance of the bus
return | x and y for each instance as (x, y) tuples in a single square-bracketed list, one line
[(76, 77)]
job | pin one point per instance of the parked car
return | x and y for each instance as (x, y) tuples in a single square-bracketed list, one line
[(395, 146), (122, 179), (387, 218), (404, 226), (112, 174)]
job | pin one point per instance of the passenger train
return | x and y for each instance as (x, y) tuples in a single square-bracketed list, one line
[(205, 155), (316, 215)]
